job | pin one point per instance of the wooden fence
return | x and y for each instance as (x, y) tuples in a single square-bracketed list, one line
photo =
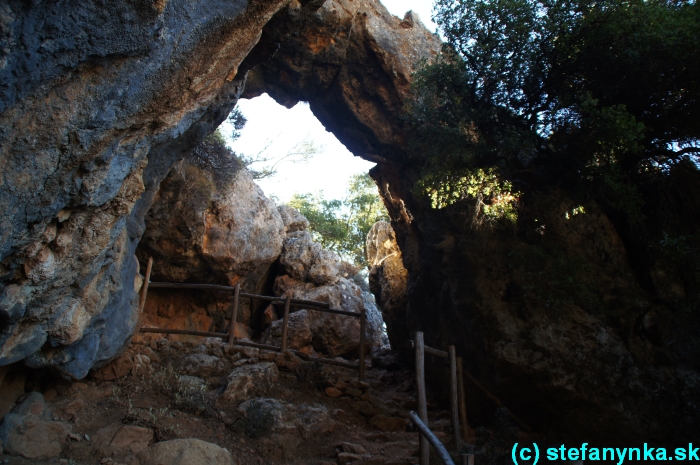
[(230, 336), (457, 401), (457, 397)]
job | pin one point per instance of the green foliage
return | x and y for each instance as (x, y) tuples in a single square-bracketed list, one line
[(238, 121), (342, 225), (603, 93), (495, 199)]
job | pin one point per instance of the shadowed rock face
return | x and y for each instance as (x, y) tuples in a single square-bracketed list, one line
[(352, 61), (599, 362), (99, 100)]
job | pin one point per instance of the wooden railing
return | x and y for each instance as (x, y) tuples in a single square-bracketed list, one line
[(230, 336), (457, 396)]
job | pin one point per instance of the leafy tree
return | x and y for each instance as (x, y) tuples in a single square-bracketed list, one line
[(238, 121), (343, 225), (213, 156), (301, 152), (604, 94)]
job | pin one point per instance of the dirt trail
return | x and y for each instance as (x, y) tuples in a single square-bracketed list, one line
[(263, 407)]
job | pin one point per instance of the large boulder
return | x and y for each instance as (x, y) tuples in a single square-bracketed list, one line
[(292, 219), (307, 261), (299, 335), (30, 431), (203, 365), (119, 439), (375, 320), (202, 229), (199, 230), (247, 381), (332, 334), (185, 452), (286, 424), (298, 254)]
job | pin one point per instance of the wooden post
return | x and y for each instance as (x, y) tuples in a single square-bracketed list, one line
[(422, 403), (467, 459), (234, 314), (142, 304), (462, 400), (285, 322), (454, 402), (363, 325)]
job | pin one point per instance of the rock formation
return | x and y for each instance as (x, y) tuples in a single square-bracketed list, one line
[(387, 279), (479, 288), (312, 273), (186, 452), (99, 100), (30, 431), (199, 232), (286, 424)]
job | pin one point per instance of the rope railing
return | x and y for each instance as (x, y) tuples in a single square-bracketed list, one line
[(230, 336)]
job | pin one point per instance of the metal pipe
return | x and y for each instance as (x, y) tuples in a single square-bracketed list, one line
[(422, 403), (431, 438)]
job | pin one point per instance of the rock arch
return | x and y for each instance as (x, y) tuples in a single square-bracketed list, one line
[(100, 99)]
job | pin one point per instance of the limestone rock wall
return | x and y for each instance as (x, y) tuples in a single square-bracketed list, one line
[(352, 61), (98, 101), (555, 321)]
